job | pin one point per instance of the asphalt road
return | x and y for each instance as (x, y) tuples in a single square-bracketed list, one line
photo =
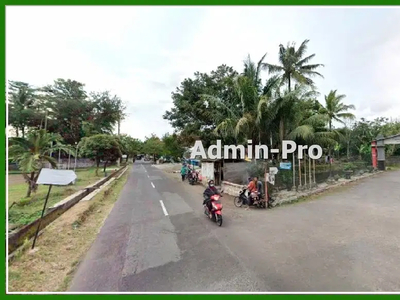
[(348, 240)]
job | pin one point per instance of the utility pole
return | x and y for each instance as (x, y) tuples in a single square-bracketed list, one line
[(119, 126), (76, 154), (45, 121)]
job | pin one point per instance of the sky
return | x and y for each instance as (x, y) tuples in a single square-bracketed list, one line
[(143, 53)]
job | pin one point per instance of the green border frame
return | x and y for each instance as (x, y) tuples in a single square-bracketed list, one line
[(205, 2), (173, 2)]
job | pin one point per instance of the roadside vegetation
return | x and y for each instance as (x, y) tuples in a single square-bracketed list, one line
[(62, 245), (264, 102), (23, 210)]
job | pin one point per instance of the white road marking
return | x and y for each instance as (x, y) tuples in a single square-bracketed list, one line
[(152, 184), (148, 176), (163, 208)]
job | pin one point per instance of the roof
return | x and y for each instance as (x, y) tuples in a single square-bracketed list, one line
[(389, 140)]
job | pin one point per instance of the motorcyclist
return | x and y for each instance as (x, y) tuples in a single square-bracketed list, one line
[(252, 188), (210, 191), (259, 189)]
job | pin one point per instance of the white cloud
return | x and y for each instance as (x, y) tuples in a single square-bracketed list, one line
[(143, 53)]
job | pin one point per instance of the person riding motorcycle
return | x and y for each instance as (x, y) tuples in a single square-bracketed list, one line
[(210, 191), (252, 188)]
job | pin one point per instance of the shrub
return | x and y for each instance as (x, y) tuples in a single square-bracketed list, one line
[(256, 169), (349, 167), (287, 178)]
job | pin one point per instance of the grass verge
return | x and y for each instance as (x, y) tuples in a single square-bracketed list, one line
[(51, 266), (23, 210)]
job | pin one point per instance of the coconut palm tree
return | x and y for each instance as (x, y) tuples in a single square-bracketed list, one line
[(247, 117), (287, 112), (294, 66), (335, 110), (32, 152)]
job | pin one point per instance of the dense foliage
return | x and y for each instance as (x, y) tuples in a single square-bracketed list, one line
[(226, 104), (237, 106)]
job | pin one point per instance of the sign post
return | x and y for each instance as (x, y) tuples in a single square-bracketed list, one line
[(52, 177)]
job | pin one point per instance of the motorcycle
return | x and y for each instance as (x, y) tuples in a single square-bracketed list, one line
[(192, 178), (215, 214), (259, 201)]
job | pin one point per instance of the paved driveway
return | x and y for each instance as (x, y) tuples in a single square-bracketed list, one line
[(348, 240)]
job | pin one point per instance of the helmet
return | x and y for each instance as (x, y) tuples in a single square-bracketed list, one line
[(211, 182)]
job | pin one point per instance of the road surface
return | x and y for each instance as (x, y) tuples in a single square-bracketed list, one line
[(157, 239)]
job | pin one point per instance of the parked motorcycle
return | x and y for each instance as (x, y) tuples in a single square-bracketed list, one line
[(215, 214), (259, 201)]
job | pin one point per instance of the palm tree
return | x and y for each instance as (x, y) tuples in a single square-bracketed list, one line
[(22, 106), (335, 110), (293, 65), (31, 154), (247, 117), (287, 112)]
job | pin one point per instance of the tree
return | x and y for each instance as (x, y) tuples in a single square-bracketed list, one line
[(335, 110), (153, 146), (192, 115), (108, 111), (245, 115), (67, 106), (101, 147), (31, 154), (22, 106), (307, 126), (294, 66), (172, 145), (129, 145), (74, 113)]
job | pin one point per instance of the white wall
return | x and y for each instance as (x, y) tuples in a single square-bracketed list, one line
[(207, 171)]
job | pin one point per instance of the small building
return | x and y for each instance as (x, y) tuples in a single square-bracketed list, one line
[(212, 169)]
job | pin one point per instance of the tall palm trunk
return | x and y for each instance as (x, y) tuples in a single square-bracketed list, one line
[(281, 135), (31, 184)]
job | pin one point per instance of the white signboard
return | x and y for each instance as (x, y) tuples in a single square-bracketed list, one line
[(273, 170), (270, 178), (56, 177)]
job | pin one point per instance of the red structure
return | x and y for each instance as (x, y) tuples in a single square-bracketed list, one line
[(374, 152)]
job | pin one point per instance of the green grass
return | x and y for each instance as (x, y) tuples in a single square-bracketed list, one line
[(14, 172), (26, 210)]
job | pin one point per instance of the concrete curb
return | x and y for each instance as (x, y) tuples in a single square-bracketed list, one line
[(16, 239), (122, 173), (95, 192)]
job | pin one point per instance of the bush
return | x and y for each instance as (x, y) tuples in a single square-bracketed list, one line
[(256, 169), (287, 178), (349, 167), (336, 177)]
